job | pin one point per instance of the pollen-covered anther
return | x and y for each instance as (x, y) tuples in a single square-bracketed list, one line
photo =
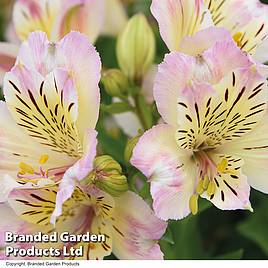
[(205, 182), (211, 188), (199, 187), (43, 159), (237, 38), (222, 166), (193, 204), (26, 169)]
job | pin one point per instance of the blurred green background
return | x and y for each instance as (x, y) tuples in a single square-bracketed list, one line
[(212, 234)]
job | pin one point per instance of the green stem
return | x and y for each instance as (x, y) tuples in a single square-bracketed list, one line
[(139, 112)]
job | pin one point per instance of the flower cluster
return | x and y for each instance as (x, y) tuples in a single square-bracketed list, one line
[(197, 124)]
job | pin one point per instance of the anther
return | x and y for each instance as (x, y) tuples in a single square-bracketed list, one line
[(222, 166), (199, 188), (193, 203), (211, 188), (43, 159), (26, 168), (205, 182), (237, 38)]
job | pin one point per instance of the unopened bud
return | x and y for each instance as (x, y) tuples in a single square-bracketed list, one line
[(129, 147), (115, 83), (136, 48), (107, 176)]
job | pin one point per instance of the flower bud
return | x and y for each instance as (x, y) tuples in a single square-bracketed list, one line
[(115, 83), (129, 147), (107, 176), (136, 48)]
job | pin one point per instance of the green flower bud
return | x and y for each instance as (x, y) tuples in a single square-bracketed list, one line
[(136, 48), (107, 176), (129, 147), (115, 83)]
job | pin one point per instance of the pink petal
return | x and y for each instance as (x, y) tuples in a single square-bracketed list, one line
[(252, 148), (136, 229), (16, 146), (34, 53), (83, 16), (85, 65), (177, 19), (199, 42), (168, 168), (5, 226), (173, 75), (76, 173), (39, 54), (45, 108), (8, 54), (232, 189)]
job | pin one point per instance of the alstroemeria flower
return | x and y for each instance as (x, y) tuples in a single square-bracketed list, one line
[(130, 227), (214, 57), (58, 17), (47, 124), (214, 143), (245, 20)]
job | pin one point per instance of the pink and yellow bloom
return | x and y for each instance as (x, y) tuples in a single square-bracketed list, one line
[(57, 18), (245, 20), (214, 142), (47, 147), (129, 233), (46, 94)]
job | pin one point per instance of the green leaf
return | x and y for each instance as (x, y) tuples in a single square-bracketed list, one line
[(186, 237), (187, 241), (168, 237), (204, 205), (106, 47), (116, 108), (234, 255), (255, 227)]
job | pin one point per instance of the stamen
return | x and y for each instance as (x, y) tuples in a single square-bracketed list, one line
[(26, 168), (22, 172), (199, 188), (43, 159), (205, 182), (222, 166), (237, 38), (211, 188), (193, 203)]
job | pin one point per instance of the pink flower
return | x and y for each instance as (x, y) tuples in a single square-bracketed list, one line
[(57, 18), (214, 142), (47, 147), (48, 126), (246, 21)]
